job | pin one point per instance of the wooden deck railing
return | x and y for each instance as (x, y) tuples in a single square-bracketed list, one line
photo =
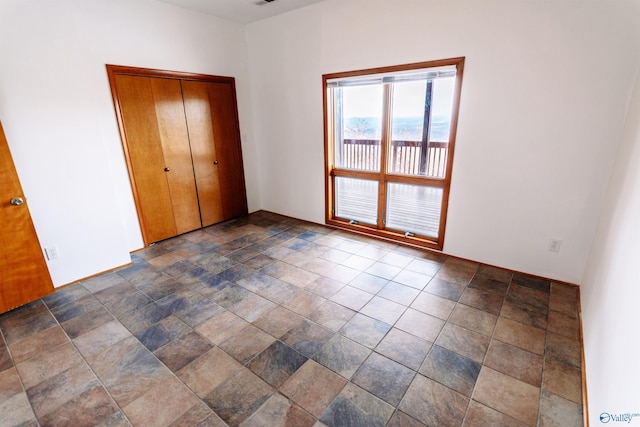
[(406, 157)]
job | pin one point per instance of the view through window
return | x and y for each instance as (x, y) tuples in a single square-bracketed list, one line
[(389, 141)]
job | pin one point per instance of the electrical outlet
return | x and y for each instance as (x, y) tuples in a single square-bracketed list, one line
[(554, 245), (52, 252)]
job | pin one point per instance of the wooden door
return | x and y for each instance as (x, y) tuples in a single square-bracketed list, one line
[(178, 166), (145, 158), (226, 135), (24, 276), (203, 149)]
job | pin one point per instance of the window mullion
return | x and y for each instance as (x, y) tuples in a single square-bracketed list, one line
[(385, 144), (330, 152), (426, 128)]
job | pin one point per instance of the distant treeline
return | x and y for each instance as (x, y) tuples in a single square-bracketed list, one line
[(404, 128)]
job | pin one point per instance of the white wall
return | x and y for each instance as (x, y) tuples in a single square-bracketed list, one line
[(543, 101), (611, 289), (58, 115)]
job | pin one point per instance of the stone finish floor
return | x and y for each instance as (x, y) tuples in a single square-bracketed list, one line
[(271, 321)]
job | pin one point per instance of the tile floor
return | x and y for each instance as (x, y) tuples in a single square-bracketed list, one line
[(268, 321)]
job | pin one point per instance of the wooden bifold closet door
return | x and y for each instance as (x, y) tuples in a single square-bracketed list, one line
[(182, 144)]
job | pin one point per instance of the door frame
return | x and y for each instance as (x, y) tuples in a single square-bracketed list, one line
[(112, 72)]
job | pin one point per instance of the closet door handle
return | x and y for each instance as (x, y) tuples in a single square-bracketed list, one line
[(17, 201), (215, 162), (167, 169)]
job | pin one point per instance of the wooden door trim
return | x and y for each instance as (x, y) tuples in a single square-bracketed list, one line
[(166, 74)]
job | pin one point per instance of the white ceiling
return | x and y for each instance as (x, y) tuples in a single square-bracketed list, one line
[(242, 11)]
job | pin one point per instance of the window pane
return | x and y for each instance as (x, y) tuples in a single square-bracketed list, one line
[(408, 111), (359, 126), (442, 103), (357, 199), (414, 209), (414, 151), (407, 122)]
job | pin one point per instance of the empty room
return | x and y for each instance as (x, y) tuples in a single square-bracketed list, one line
[(319, 212)]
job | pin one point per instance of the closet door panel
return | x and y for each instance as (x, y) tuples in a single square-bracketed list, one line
[(174, 138), (144, 153), (226, 134), (203, 151)]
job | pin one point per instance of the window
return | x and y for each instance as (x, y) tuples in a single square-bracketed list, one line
[(389, 139)]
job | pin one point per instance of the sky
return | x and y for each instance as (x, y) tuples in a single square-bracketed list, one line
[(366, 101)]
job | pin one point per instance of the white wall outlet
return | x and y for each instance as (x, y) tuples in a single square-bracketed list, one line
[(554, 245), (52, 252)]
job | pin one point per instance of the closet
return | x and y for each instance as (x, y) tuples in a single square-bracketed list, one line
[(181, 142)]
